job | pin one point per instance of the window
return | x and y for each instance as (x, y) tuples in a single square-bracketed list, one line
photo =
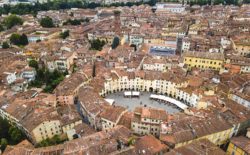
[(235, 147)]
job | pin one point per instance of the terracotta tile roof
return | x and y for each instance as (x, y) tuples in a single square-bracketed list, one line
[(69, 85), (191, 128), (104, 142), (112, 113), (126, 119), (204, 55), (199, 147), (242, 142), (151, 113), (149, 145)]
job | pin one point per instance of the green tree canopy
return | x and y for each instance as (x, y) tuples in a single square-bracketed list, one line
[(15, 38), (64, 34), (4, 127), (51, 141), (49, 79), (117, 12), (18, 39), (9, 135), (47, 22), (33, 63), (97, 44), (115, 43), (1, 27), (73, 22), (3, 143), (12, 20), (24, 39), (217, 2), (5, 45), (15, 134)]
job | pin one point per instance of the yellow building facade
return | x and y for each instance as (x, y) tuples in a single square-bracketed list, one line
[(233, 149), (217, 138), (204, 60), (45, 130), (239, 146)]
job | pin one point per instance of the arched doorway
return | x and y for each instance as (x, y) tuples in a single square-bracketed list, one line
[(151, 89)]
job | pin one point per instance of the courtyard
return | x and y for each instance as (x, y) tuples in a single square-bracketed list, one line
[(143, 100)]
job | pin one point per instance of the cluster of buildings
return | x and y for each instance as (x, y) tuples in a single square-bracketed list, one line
[(194, 58)]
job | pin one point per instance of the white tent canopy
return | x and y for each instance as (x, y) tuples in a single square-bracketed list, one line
[(127, 93), (136, 93), (131, 93), (110, 101), (168, 99)]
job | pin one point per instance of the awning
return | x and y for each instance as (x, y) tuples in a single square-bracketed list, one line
[(170, 100)]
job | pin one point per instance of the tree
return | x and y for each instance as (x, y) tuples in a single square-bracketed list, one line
[(3, 144), (5, 45), (217, 2), (97, 44), (72, 22), (9, 134), (24, 40), (4, 127), (18, 39), (74, 68), (117, 12), (64, 34), (33, 63), (152, 2), (1, 28), (15, 134), (47, 22), (44, 77), (115, 43), (15, 39), (50, 141), (12, 20)]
